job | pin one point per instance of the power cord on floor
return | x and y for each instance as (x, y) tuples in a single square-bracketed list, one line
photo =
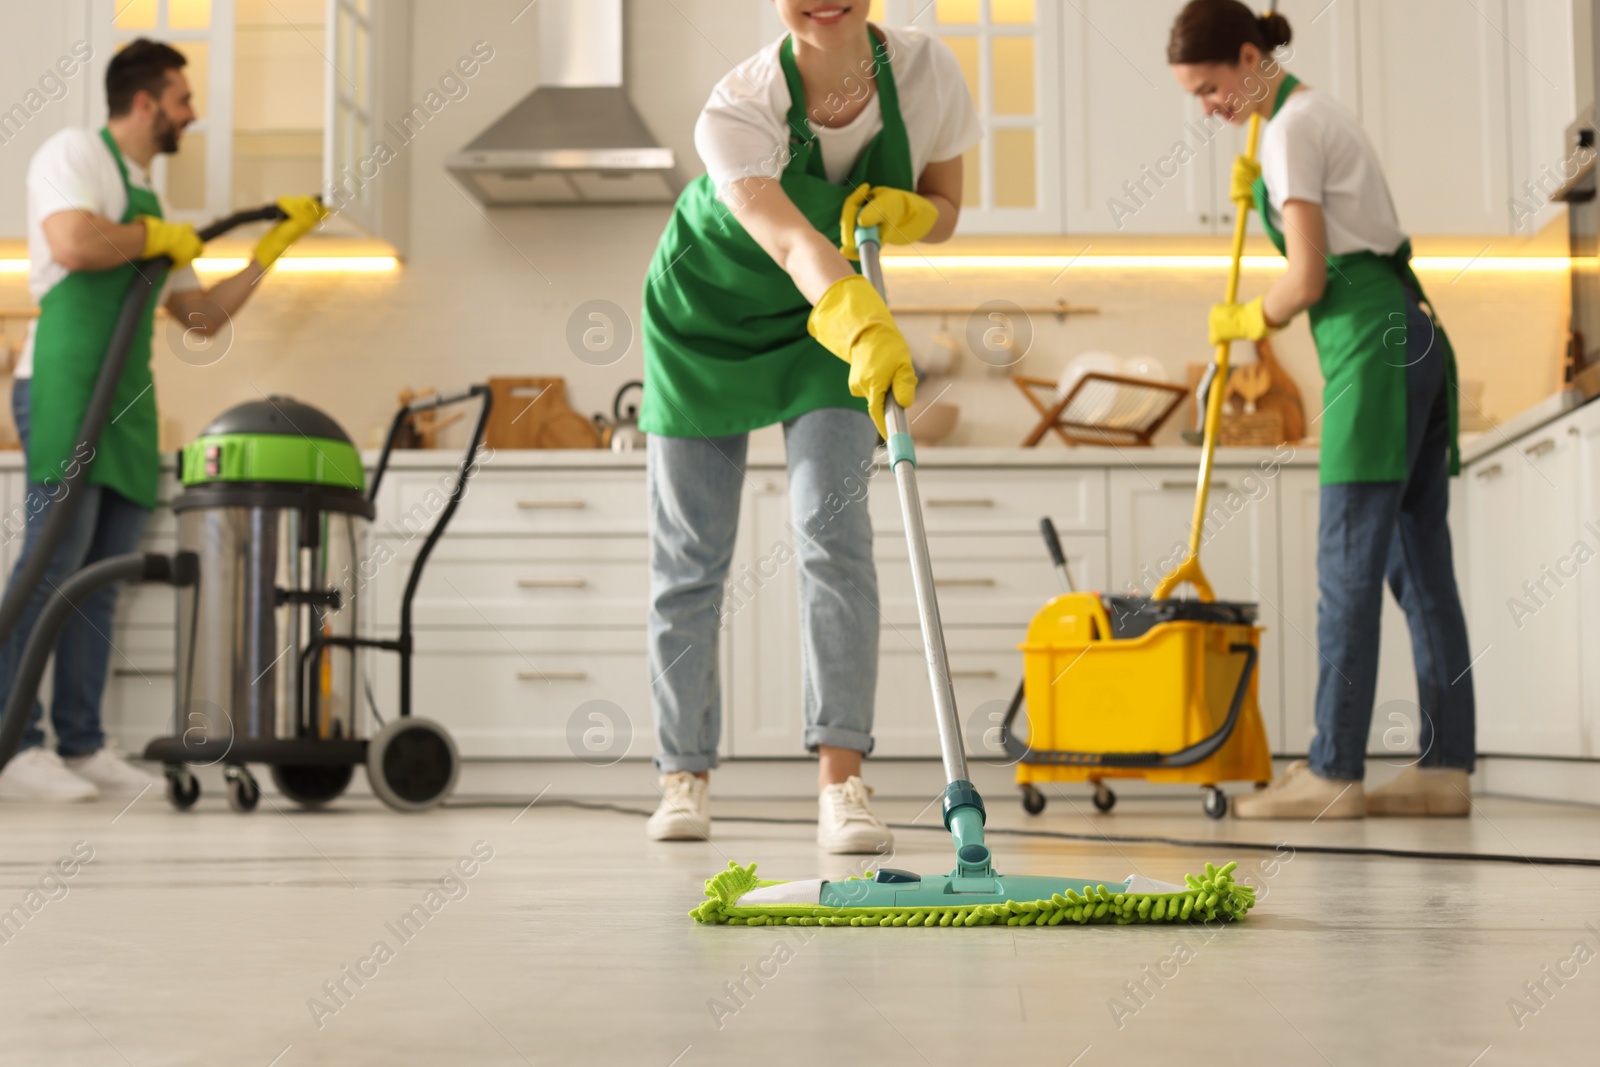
[(1211, 844)]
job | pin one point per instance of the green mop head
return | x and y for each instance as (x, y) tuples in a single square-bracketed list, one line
[(968, 898)]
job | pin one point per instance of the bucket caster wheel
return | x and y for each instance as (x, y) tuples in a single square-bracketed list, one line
[(412, 764), (1216, 802), (183, 788), (1104, 798), (244, 793), (1032, 800)]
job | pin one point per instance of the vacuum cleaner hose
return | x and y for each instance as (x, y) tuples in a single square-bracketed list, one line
[(58, 611)]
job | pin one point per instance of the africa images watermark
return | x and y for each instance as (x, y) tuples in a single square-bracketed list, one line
[(352, 978), (51, 887), (1198, 135), (51, 88), (1552, 979), (1538, 191), (1541, 589)]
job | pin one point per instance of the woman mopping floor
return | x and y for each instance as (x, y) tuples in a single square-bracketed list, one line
[(749, 301), (1388, 418)]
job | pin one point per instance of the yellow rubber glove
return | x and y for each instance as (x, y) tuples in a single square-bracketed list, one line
[(902, 218), (1241, 189), (852, 321), (1240, 322), (176, 240), (304, 212)]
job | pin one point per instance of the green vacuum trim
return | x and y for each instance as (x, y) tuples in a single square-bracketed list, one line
[(272, 458), (1211, 897)]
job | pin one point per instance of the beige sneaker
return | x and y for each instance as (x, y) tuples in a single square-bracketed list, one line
[(1299, 794), (1442, 791), (846, 825), (685, 811)]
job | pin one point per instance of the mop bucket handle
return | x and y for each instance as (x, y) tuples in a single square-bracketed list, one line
[(1189, 569)]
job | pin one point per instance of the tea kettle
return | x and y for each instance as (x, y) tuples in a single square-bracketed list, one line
[(625, 435)]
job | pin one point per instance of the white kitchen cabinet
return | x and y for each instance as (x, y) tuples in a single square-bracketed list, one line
[(1396, 713), (1542, 93), (1587, 422), (1522, 523), (1139, 157), (1433, 86), (292, 97), (1150, 514)]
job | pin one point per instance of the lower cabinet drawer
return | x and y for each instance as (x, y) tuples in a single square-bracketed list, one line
[(985, 668), (557, 581), (137, 705), (995, 580), (574, 694)]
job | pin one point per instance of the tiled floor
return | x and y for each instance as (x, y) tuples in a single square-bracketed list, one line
[(210, 938)]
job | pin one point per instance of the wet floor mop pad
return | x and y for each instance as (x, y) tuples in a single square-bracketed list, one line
[(973, 893)]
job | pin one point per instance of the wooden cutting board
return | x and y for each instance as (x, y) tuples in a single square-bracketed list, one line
[(534, 413), (1283, 397)]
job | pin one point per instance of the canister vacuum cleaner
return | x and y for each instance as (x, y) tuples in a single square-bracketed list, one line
[(272, 646)]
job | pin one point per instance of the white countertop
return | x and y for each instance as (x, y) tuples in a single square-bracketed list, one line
[(1540, 415)]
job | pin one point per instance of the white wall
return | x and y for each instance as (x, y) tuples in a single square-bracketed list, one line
[(492, 295)]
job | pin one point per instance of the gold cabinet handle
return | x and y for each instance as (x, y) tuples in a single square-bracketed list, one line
[(1539, 448), (957, 502), (552, 675), (135, 672), (552, 583), (984, 583), (974, 673), (1188, 487), (547, 505), (1491, 471)]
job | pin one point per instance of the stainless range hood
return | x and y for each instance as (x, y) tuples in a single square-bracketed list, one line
[(576, 139)]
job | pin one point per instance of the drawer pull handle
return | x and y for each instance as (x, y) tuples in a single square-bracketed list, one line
[(1491, 471), (135, 672), (552, 583), (974, 673), (552, 676), (984, 583), (1539, 448), (542, 505), (1170, 486), (956, 502)]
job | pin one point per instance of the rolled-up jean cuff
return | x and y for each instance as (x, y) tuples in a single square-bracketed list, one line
[(693, 764), (837, 737)]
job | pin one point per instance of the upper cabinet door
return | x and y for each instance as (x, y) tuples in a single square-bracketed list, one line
[(196, 183), (368, 119), (1543, 95), (1139, 156), (1010, 51), (1433, 91)]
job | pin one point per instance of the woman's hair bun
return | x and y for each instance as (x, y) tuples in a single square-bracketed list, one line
[(1275, 30)]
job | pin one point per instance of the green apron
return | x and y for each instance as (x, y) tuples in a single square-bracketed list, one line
[(1359, 326), (725, 339), (76, 320)]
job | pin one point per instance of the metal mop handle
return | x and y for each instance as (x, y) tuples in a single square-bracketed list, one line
[(904, 462)]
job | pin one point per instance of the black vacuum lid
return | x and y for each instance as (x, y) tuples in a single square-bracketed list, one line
[(277, 415)]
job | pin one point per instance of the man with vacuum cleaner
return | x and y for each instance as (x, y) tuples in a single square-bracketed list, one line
[(92, 215)]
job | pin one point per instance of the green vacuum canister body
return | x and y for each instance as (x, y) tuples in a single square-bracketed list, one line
[(274, 507)]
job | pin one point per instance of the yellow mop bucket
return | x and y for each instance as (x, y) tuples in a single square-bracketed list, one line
[(1128, 687), (1152, 688)]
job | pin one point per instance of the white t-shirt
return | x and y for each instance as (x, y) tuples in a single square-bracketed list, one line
[(744, 133), (75, 171), (1315, 150)]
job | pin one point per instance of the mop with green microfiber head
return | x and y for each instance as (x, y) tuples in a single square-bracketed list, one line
[(972, 894)]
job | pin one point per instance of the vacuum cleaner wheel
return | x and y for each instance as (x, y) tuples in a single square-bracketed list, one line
[(412, 764), (312, 785)]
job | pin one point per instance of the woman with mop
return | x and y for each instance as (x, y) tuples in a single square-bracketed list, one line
[(750, 307), (1388, 419)]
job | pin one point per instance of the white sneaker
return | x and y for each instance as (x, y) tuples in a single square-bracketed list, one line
[(38, 774), (845, 825), (111, 772), (685, 812)]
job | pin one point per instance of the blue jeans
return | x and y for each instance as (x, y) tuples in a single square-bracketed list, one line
[(1395, 530), (107, 524), (694, 487)]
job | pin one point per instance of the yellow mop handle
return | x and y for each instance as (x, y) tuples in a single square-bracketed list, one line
[(1189, 570)]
